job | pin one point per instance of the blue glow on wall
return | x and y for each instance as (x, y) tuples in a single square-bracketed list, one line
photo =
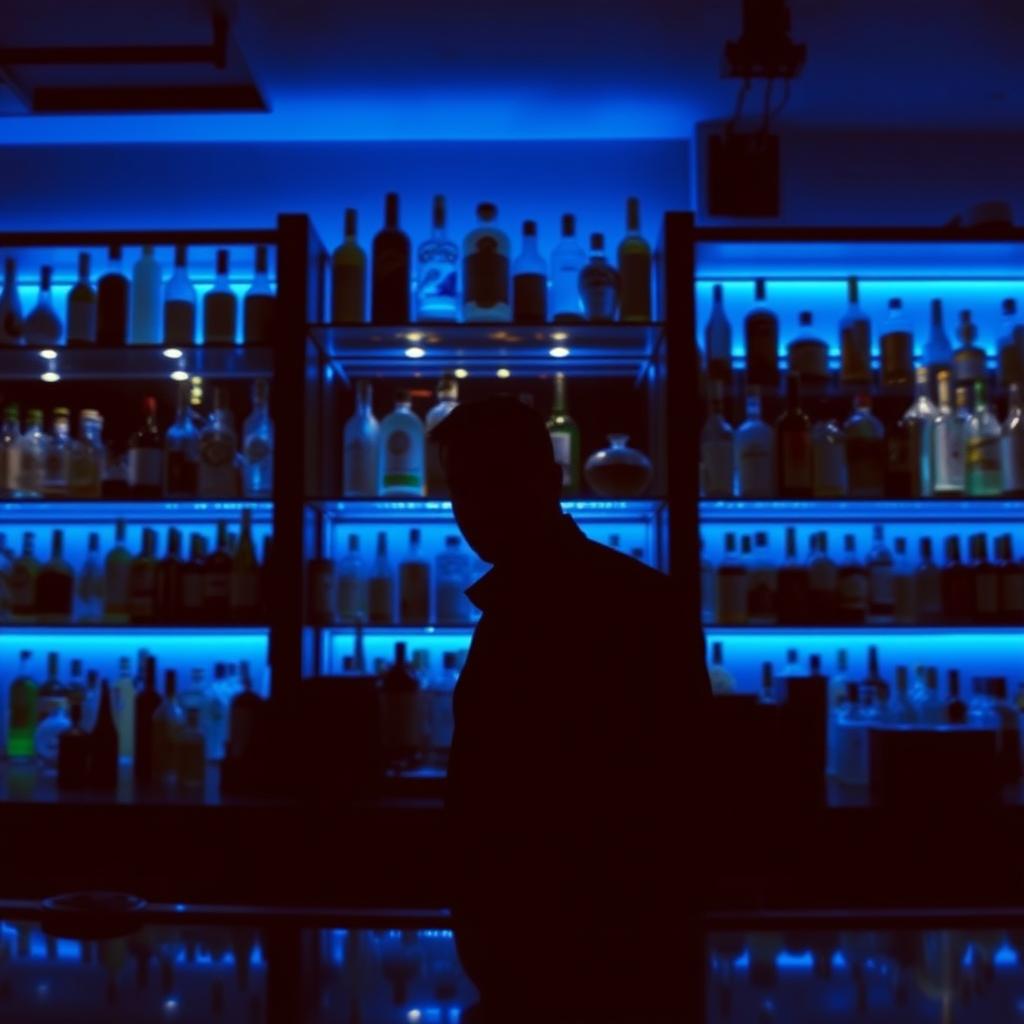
[(752, 514)]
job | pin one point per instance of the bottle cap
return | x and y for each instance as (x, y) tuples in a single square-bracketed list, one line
[(568, 225), (530, 228), (1009, 306), (597, 240), (486, 211)]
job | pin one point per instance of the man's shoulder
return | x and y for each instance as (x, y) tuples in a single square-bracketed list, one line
[(604, 566)]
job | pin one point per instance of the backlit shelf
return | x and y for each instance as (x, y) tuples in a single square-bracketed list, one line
[(375, 510), (398, 630), (155, 511), (865, 631), (850, 510), (13, 628)]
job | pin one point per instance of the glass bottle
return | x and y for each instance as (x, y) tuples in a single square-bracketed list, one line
[(447, 399), (793, 586), (865, 451), (55, 585), (904, 605), (146, 308), (761, 337), (31, 456), (754, 451), (599, 284), (437, 277), (193, 581), (957, 586), (450, 581), (142, 580), (401, 448), (1011, 584), (1012, 445), (11, 321), (10, 436), (938, 352), (567, 261), (82, 307), (808, 356), (911, 445), (984, 438), (217, 579), (179, 303), (182, 451), (22, 711), (259, 304), (391, 269), (42, 327), (169, 572), (104, 744), (220, 307), (401, 716), (348, 277), (731, 587), (1011, 346), (968, 359), (52, 701), (245, 576), (565, 438), (708, 597), (116, 571), (956, 709), (854, 342), (634, 257), (718, 340), (838, 697), (927, 586), (90, 584), (380, 586), (414, 585), (880, 568), (165, 724), (218, 445), (352, 590), (949, 442), (24, 579), (190, 752), (485, 270), (361, 441), (828, 455), (897, 345), (146, 456), (529, 280), (823, 581), (721, 679), (794, 459), (88, 456), (761, 582), (851, 586), (618, 471), (986, 582), (112, 302), (258, 445), (57, 465), (717, 445)]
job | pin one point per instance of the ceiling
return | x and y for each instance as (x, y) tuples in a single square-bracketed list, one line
[(469, 69)]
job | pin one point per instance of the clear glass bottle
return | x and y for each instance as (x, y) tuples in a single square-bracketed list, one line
[(1012, 445), (348, 277), (904, 605), (179, 303), (880, 568), (89, 605), (142, 580), (220, 306), (968, 359), (762, 583), (718, 340), (852, 587), (911, 447), (721, 679), (854, 342), (808, 356), (1011, 346), (11, 321), (146, 295), (166, 724), (146, 456), (897, 345), (437, 275), (361, 441), (414, 585), (565, 438), (112, 302), (949, 439), (634, 257), (451, 579), (258, 445), (82, 307), (761, 337), (381, 586), (618, 471), (865, 451), (259, 304), (190, 752), (485, 270), (927, 586), (352, 595), (828, 453), (568, 258), (401, 451), (822, 581), (599, 284), (717, 449), (447, 399), (217, 476), (754, 451), (794, 462), (984, 439), (31, 448), (938, 352), (57, 466), (88, 457), (182, 451), (10, 436), (529, 280), (731, 585), (392, 271), (838, 696), (42, 327)]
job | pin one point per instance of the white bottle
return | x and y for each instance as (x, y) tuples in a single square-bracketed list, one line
[(485, 270), (568, 258), (361, 440), (123, 696), (90, 584), (147, 308), (755, 451), (447, 400), (352, 584), (450, 582), (401, 451)]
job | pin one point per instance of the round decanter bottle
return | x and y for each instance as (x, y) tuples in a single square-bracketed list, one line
[(618, 471)]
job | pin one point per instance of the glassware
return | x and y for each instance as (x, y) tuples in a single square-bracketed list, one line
[(530, 280), (722, 680), (361, 442), (567, 260), (761, 337), (42, 327), (865, 451), (258, 445), (927, 586), (634, 257), (984, 438), (717, 448), (90, 584), (31, 449), (351, 600), (1011, 346), (82, 307), (968, 359), (1012, 445), (618, 471), (808, 356), (57, 465), (380, 586), (348, 277), (822, 580), (179, 303), (718, 340), (437, 280), (23, 714), (146, 456), (414, 585), (731, 586), (911, 445), (447, 399), (11, 324), (259, 305), (147, 286), (220, 307), (217, 476), (880, 568), (182, 451), (754, 451), (854, 342), (897, 345), (10, 436), (450, 582), (599, 284), (389, 298), (23, 579), (794, 463), (401, 451), (88, 456), (938, 352), (112, 302), (949, 439), (565, 437), (485, 270)]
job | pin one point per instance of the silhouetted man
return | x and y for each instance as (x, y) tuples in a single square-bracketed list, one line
[(574, 750)]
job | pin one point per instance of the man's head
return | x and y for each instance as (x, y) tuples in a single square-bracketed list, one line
[(505, 484)]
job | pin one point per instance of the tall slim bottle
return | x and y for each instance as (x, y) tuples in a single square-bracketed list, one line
[(529, 280), (146, 456), (259, 305), (82, 307), (984, 437), (112, 303), (565, 438), (761, 339), (794, 457), (1013, 445), (949, 442), (90, 584), (938, 352), (360, 445), (181, 463), (147, 288), (718, 341), (717, 443), (220, 307), (116, 574), (55, 587), (485, 270), (897, 345), (437, 276), (1011, 345), (245, 576), (401, 451), (166, 723), (42, 326), (567, 260), (348, 277), (179, 303), (147, 700), (11, 320), (104, 744), (23, 713), (634, 257), (391, 268), (599, 284), (911, 446), (414, 585), (447, 400), (865, 450), (968, 359), (380, 586), (854, 342), (218, 446), (258, 445)]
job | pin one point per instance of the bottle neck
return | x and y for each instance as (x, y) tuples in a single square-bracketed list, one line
[(559, 404)]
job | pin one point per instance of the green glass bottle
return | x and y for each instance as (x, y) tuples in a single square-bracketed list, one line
[(565, 439), (22, 699)]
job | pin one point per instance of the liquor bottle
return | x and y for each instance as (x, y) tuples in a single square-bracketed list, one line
[(104, 743), (485, 270), (361, 441), (927, 586), (599, 284), (11, 321), (447, 400), (73, 747), (55, 586), (31, 456), (437, 261), (754, 450), (24, 578), (1012, 445), (146, 308), (938, 352), (348, 276), (414, 585), (567, 261), (984, 440), (838, 697), (762, 583), (57, 465), (123, 695), (450, 582), (258, 445), (529, 280), (1011, 346), (244, 721), (90, 584), (220, 307), (179, 303), (391, 269), (852, 588), (74, 690), (217, 579), (146, 456), (88, 457), (957, 586), (565, 438), (731, 587), (42, 326), (794, 460), (717, 449), (881, 596), (897, 345), (22, 717), (956, 709), (82, 307), (352, 584), (400, 713), (10, 435), (854, 342), (1011, 584), (380, 586), (828, 459), (169, 571), (193, 581), (165, 724), (190, 752), (808, 355), (793, 595), (217, 476), (116, 572), (634, 257), (761, 338), (258, 307), (721, 679), (823, 581), (968, 359), (865, 451), (910, 446), (142, 580), (112, 302), (986, 582), (147, 700), (718, 341), (904, 605), (401, 446), (949, 443), (708, 598), (52, 705), (182, 451)]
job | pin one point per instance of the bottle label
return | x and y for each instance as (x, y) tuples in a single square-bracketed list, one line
[(145, 467), (561, 444), (529, 300), (179, 322), (809, 359), (983, 455), (950, 461), (348, 296), (762, 337), (257, 450), (216, 450), (486, 274), (400, 463), (897, 358)]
